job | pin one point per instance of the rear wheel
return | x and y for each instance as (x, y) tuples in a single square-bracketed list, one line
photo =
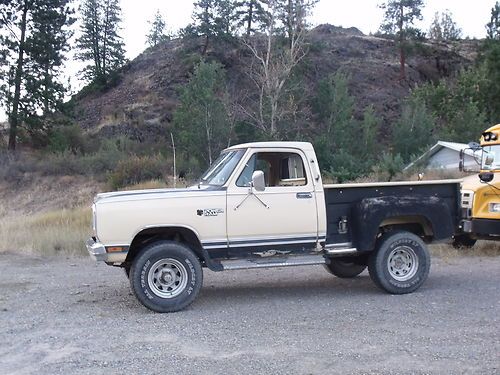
[(401, 262), (166, 276), (345, 268)]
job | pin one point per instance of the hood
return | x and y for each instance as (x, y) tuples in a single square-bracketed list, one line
[(473, 182), (127, 195)]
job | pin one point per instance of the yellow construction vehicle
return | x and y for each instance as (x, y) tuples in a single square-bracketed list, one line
[(480, 200)]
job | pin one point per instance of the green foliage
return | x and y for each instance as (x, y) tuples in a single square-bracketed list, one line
[(157, 33), (250, 15), (399, 18), (490, 89), (99, 43), (202, 123), (137, 169), (67, 138), (458, 106), (443, 27), (32, 50), (413, 132), (389, 166), (346, 147), (493, 27)]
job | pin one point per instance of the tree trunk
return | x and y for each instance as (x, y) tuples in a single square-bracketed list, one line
[(14, 115), (250, 17), (402, 53)]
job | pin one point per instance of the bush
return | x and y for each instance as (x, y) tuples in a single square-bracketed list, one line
[(137, 169), (67, 138)]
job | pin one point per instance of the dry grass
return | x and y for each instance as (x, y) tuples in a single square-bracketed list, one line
[(54, 232), (481, 248)]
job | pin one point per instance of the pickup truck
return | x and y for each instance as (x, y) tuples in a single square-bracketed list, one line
[(263, 205)]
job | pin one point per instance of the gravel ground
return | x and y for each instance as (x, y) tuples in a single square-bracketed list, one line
[(72, 316)]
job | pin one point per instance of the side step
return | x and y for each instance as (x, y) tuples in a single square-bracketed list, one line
[(297, 260)]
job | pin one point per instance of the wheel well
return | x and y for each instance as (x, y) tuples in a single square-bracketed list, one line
[(418, 225), (178, 234)]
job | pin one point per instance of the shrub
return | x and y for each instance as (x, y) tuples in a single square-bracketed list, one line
[(137, 169)]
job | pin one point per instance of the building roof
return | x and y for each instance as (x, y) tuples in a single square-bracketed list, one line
[(438, 147)]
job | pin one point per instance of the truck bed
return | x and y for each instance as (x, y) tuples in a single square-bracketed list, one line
[(358, 206)]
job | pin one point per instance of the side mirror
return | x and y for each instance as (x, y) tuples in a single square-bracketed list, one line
[(486, 177), (488, 160), (258, 181), (474, 146)]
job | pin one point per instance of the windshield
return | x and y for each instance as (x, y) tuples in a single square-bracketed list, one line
[(221, 169), (491, 158)]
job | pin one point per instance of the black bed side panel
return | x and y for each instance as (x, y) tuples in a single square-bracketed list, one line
[(366, 207)]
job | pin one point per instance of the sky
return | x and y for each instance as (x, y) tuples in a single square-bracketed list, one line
[(366, 15)]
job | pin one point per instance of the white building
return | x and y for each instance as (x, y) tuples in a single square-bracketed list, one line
[(446, 155)]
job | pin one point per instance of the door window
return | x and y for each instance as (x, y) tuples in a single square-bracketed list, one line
[(280, 169)]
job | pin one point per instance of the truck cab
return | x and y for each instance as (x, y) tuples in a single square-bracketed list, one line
[(264, 205)]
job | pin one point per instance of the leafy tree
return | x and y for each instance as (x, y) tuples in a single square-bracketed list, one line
[(443, 27), (33, 47), (399, 19), (459, 106), (99, 43), (251, 15), (493, 27), (202, 121), (157, 33), (414, 130)]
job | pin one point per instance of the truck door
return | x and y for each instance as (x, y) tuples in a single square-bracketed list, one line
[(283, 217)]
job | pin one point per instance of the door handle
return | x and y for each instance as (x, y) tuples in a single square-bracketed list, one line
[(304, 195)]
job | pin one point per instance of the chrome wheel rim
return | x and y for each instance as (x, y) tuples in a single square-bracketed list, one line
[(167, 278), (402, 263)]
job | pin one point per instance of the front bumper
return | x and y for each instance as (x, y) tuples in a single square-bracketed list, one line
[(97, 250), (488, 227)]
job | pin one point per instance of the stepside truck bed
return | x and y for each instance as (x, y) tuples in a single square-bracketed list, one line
[(355, 212)]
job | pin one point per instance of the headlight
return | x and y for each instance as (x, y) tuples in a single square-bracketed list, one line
[(495, 207)]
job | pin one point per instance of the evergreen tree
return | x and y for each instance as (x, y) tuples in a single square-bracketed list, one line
[(213, 18), (443, 27), (157, 33), (250, 15), (99, 42), (493, 27), (34, 47), (202, 120), (398, 21), (293, 15)]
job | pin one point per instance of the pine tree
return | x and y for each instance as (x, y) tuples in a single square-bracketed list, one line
[(213, 18), (493, 27), (293, 14), (157, 33), (202, 121), (99, 42), (443, 27), (398, 21), (34, 47), (250, 15)]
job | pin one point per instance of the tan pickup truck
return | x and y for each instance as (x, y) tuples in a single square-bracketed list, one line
[(264, 205)]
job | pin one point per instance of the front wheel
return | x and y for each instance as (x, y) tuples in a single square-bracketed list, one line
[(401, 262), (345, 268), (166, 277)]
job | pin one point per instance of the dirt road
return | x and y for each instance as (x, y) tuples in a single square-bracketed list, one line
[(72, 316)]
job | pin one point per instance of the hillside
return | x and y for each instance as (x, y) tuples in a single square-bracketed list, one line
[(142, 103)]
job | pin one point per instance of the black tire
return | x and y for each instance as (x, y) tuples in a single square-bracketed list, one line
[(401, 262), (345, 268), (166, 276), (463, 241)]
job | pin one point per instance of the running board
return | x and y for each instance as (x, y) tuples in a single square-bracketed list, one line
[(297, 260)]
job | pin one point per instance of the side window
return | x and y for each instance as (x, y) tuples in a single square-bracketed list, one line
[(280, 169)]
